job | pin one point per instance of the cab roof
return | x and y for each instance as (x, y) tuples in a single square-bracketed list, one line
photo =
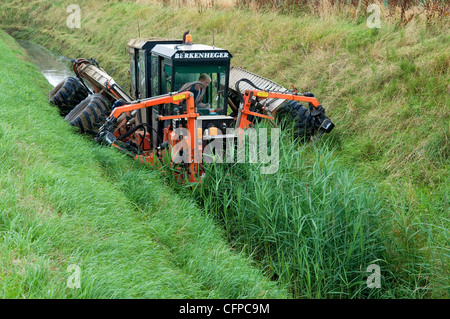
[(148, 44), (190, 51)]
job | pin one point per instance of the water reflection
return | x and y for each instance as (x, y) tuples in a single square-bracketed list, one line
[(55, 68)]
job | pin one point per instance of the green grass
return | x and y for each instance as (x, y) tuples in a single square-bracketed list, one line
[(310, 223), (315, 228), (65, 200), (386, 90)]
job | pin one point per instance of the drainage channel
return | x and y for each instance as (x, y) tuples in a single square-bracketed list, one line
[(54, 67)]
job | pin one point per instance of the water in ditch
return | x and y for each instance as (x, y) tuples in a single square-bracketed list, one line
[(54, 67)]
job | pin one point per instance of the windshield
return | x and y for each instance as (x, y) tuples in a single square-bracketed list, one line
[(213, 101)]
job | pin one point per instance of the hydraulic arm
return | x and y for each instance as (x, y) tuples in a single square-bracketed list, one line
[(318, 113), (111, 130)]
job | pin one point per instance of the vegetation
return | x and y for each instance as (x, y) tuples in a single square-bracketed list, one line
[(66, 201), (376, 191), (315, 228)]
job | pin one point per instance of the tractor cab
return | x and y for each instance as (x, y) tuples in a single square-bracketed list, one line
[(181, 64), (159, 67)]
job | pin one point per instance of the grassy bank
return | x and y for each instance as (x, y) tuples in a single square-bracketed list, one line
[(387, 88), (66, 201), (387, 91)]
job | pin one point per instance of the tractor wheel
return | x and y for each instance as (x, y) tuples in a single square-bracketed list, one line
[(67, 94), (295, 115), (90, 114)]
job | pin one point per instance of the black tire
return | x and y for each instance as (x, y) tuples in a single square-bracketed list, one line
[(67, 94), (90, 114), (294, 115)]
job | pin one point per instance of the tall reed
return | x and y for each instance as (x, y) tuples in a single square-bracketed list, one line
[(311, 225)]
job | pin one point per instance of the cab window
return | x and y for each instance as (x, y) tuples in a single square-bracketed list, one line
[(215, 93)]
